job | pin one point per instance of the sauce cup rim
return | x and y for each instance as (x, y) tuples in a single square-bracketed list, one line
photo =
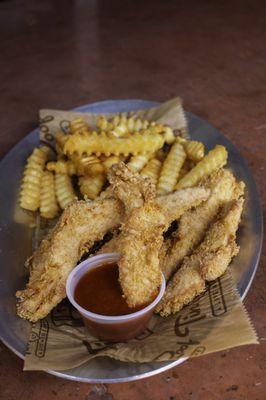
[(95, 262)]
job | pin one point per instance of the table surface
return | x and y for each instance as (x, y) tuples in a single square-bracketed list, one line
[(61, 54)]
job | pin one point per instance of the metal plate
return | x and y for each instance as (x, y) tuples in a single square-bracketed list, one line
[(15, 242)]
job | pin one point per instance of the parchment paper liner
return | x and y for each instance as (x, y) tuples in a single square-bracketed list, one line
[(214, 321), (170, 113)]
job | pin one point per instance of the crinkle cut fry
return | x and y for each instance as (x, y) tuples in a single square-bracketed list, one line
[(152, 170), (94, 143), (64, 190), (208, 262), (215, 159), (195, 150), (136, 163), (91, 186), (31, 181), (62, 167), (194, 223), (171, 168), (48, 204)]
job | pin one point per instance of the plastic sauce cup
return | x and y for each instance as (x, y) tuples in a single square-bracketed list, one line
[(110, 328)]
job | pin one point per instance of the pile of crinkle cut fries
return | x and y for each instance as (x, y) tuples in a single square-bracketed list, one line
[(84, 157)]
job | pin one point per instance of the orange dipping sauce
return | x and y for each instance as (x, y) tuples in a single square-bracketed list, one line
[(99, 291)]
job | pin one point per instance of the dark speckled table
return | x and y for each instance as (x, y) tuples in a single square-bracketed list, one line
[(61, 54)]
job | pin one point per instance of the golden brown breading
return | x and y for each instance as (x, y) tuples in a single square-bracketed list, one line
[(130, 187), (81, 223), (219, 245), (141, 237), (186, 284), (139, 245), (194, 223), (172, 206), (208, 262)]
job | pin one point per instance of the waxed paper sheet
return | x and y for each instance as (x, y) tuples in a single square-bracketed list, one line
[(214, 321)]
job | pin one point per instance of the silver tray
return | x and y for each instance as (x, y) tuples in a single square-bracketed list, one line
[(15, 246)]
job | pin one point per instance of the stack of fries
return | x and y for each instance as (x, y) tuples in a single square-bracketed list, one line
[(84, 157)]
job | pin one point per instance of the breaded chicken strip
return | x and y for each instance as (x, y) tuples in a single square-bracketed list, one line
[(82, 223), (194, 223), (208, 262), (139, 245), (219, 245)]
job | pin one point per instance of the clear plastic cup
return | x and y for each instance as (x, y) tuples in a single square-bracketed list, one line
[(110, 328)]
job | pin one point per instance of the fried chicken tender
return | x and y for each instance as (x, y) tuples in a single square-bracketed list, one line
[(186, 285), (194, 223), (139, 245), (208, 262), (81, 224), (219, 245)]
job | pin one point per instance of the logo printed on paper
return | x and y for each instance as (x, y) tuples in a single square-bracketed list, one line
[(96, 346), (216, 297), (185, 319), (44, 129), (188, 316), (142, 336), (42, 339), (65, 315), (198, 351)]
